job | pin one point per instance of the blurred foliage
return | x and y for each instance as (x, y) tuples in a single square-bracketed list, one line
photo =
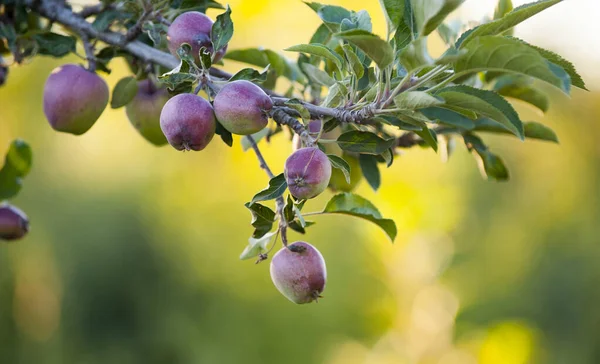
[(132, 257)]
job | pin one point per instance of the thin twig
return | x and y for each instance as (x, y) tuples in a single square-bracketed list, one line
[(89, 52), (279, 201)]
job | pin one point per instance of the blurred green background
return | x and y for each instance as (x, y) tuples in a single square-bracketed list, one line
[(133, 252)]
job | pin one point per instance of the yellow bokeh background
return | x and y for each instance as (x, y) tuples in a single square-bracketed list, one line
[(133, 252)]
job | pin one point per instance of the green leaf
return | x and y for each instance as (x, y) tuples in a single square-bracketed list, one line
[(370, 170), (354, 205), (363, 142), (257, 246), (429, 14), (222, 30), (429, 137), (394, 11), (105, 19), (250, 74), (556, 59), (317, 75), (533, 130), (155, 31), (277, 186), (521, 88), (341, 164), (392, 120), (331, 15), (406, 28), (263, 57), (318, 50), (17, 165), (452, 55), (504, 7), (262, 219), (124, 91), (380, 51), (415, 55), (486, 103), (507, 22), (490, 165), (502, 54), (355, 64), (448, 117), (414, 100), (56, 45), (225, 134)]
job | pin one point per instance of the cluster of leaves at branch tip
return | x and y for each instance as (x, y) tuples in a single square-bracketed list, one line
[(353, 99), (14, 223)]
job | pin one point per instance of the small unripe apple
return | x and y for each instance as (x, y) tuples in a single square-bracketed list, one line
[(300, 275), (188, 122), (74, 98), (13, 223), (144, 111), (242, 107), (193, 28), (307, 172), (338, 180)]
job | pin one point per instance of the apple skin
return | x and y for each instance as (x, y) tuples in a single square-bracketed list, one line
[(74, 99), (144, 111), (188, 122), (242, 107), (307, 172), (299, 275), (14, 224), (193, 28)]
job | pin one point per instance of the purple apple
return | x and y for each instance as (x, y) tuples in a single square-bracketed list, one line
[(13, 223), (144, 111), (242, 107), (307, 172), (193, 28), (188, 122), (74, 98), (299, 275)]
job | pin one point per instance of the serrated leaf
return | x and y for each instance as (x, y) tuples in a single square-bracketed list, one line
[(104, 19), (429, 137), (392, 120), (502, 54), (354, 205), (257, 246), (376, 48), (341, 164), (318, 50), (277, 186), (222, 30), (394, 13), (490, 165), (317, 75), (363, 142), (262, 218), (568, 67), (414, 100), (55, 45), (300, 108), (429, 14), (532, 130), (124, 91), (370, 170), (264, 57), (331, 15), (448, 117), (507, 22), (250, 74), (415, 55), (486, 103), (155, 31), (355, 64), (502, 8), (17, 165), (521, 88)]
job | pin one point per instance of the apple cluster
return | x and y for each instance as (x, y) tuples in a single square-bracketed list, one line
[(75, 97)]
